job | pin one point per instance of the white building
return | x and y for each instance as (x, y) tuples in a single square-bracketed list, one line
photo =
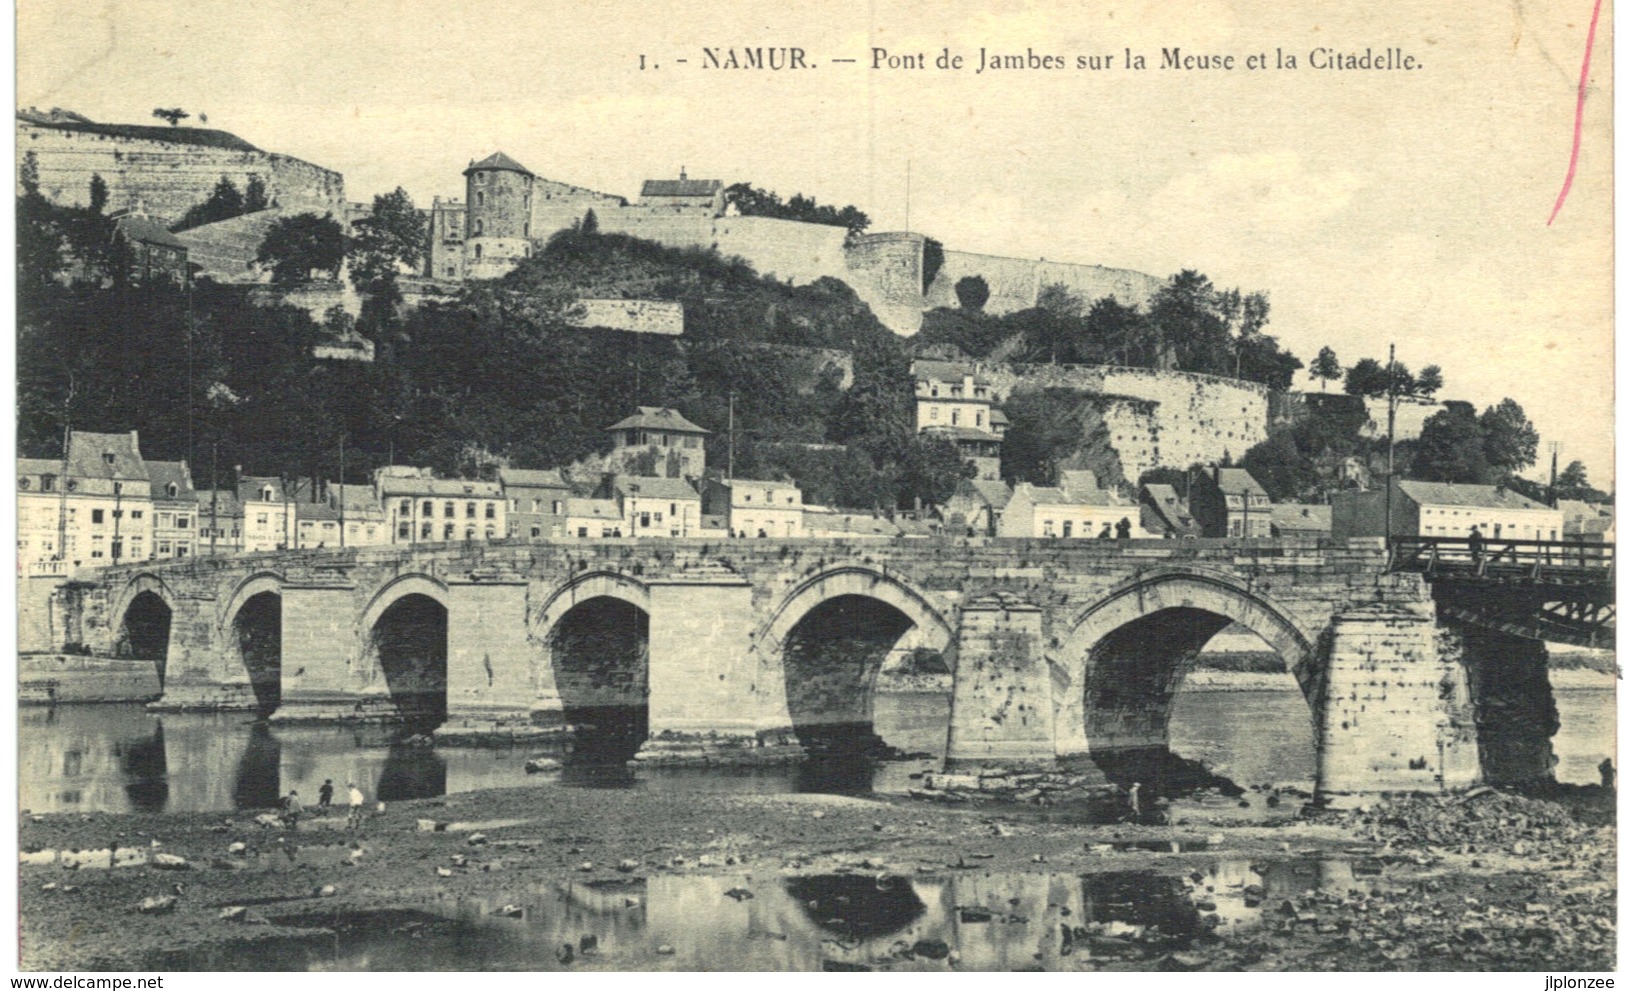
[(588, 519), (422, 509), (756, 508), (1077, 509), (268, 517), (656, 507), (1441, 509)]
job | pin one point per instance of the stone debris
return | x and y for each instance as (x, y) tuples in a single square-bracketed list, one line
[(739, 894), (1482, 821), (537, 765), (627, 866), (234, 913), (169, 862), (665, 949), (157, 905)]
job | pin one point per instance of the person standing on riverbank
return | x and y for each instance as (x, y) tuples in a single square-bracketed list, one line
[(358, 803), (324, 796), (292, 809)]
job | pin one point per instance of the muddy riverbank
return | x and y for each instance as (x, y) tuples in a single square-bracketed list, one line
[(641, 880)]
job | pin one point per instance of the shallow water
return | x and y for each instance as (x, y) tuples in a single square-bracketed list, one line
[(826, 922), (121, 758)]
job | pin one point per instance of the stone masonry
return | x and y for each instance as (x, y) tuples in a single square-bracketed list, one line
[(1061, 650)]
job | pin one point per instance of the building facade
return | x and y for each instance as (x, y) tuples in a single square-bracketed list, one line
[(1441, 509), (535, 502), (1229, 502), (174, 509), (268, 515), (657, 441), (953, 402), (655, 507), (756, 508), (1076, 509), (422, 509)]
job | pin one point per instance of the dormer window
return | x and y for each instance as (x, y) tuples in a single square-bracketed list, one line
[(265, 494), (172, 489), (479, 178), (47, 483)]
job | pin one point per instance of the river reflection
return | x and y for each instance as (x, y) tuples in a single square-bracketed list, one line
[(121, 758), (981, 921)]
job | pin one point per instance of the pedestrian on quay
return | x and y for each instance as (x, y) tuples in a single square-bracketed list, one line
[(358, 804), (292, 808), (1134, 801), (324, 795), (1123, 528), (1475, 544), (1606, 769)]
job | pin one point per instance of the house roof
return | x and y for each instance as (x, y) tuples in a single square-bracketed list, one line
[(997, 417), (250, 488), (932, 370), (654, 488), (537, 478), (162, 473), (681, 187), (1041, 495), (593, 509), (315, 511), (360, 499), (111, 456), (226, 507), (390, 485), (38, 466), (760, 484), (850, 523), (1301, 516), (991, 491), (148, 231), (1238, 481), (498, 161), (1477, 496), (658, 418)]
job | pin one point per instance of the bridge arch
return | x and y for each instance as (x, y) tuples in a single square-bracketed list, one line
[(404, 634), (1119, 664), (144, 613), (250, 631), (591, 644), (831, 635)]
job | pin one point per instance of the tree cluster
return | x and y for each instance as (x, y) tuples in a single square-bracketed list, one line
[(753, 202), (1189, 326), (225, 202)]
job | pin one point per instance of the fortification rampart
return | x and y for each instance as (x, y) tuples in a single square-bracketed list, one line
[(168, 176), (1014, 283), (640, 316), (1157, 419)]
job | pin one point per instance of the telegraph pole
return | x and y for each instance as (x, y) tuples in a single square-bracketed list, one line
[(1388, 493), (1551, 491), (730, 435), (62, 503), (341, 488)]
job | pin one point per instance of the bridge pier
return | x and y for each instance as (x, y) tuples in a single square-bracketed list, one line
[(198, 671), (1002, 711), (1393, 714), (709, 695), (1513, 707), (324, 676), (490, 687)]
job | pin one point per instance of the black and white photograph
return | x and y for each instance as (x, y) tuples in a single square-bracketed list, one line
[(971, 486)]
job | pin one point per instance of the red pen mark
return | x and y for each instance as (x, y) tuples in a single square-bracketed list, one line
[(1579, 114)]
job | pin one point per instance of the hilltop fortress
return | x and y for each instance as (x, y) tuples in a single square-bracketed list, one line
[(508, 210), (167, 170)]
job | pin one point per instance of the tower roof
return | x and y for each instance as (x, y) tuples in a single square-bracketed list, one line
[(498, 161)]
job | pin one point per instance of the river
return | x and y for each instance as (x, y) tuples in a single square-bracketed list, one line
[(121, 758)]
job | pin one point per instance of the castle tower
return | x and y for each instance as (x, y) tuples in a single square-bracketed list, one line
[(498, 224)]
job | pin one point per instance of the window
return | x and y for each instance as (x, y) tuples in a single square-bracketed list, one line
[(96, 515), (183, 549), (479, 178), (427, 532), (406, 507), (451, 510), (428, 508), (490, 533), (166, 519), (172, 489), (558, 507), (450, 531), (490, 510), (107, 457), (470, 511), (163, 548), (535, 532), (262, 519), (581, 531), (934, 412), (468, 534), (47, 483), (181, 522), (479, 198), (403, 532), (1066, 528), (1049, 528), (265, 494)]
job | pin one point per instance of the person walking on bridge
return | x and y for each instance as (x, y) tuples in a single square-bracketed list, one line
[(1475, 544)]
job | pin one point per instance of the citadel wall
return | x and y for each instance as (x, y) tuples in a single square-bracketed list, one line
[(1013, 283), (168, 176), (640, 316), (1157, 419)]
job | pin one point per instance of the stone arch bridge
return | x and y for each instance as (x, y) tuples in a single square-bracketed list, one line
[(1059, 651)]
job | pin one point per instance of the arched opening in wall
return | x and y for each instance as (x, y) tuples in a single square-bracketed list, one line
[(600, 657), (410, 643), (1184, 699), (832, 660), (257, 631), (144, 635)]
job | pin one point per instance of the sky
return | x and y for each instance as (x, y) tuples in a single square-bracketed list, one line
[(1408, 207)]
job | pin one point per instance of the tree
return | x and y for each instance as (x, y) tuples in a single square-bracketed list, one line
[(1510, 440), (752, 202), (98, 193), (174, 115), (1451, 448), (1325, 367), (256, 198), (972, 292), (391, 236), (1367, 379), (1059, 300), (1429, 381), (296, 246), (225, 202), (589, 222)]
